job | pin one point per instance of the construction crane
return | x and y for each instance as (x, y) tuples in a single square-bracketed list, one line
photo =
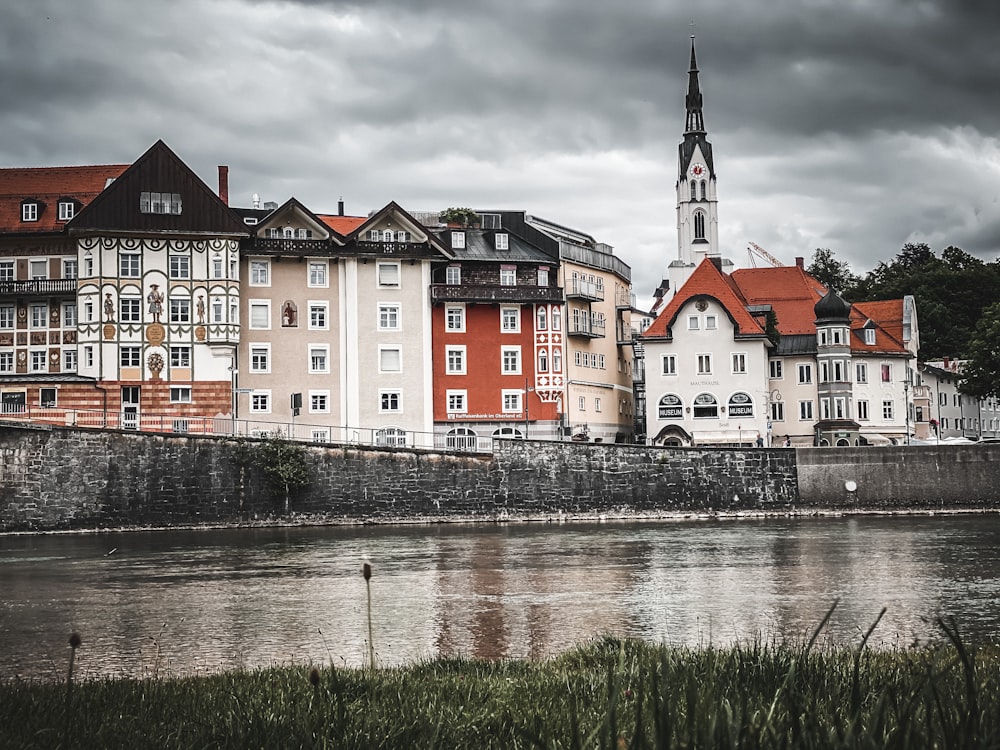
[(754, 250)]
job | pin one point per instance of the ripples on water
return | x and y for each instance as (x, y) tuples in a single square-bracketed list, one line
[(190, 602)]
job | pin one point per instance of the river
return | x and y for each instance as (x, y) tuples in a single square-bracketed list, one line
[(185, 602)]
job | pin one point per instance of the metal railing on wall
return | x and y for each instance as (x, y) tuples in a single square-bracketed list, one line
[(385, 437)]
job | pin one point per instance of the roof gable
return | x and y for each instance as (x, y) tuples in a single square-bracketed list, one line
[(48, 186), (159, 172), (292, 211), (791, 292)]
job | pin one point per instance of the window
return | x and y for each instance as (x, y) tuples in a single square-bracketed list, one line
[(217, 311), (540, 319), (6, 317), (508, 276), (453, 275), (805, 374), (128, 265), (388, 274), (887, 411), (824, 408), (777, 411), (39, 315), (88, 356), (501, 241), (774, 369), (38, 270), (88, 266), (886, 373), (693, 323), (319, 402), (130, 309), (159, 203), (840, 408), (388, 317), (319, 358), (180, 310), (180, 394), (6, 361), (38, 361), (260, 402), (577, 359), (455, 360), (458, 240), (556, 319), (180, 267), (823, 337), (6, 270), (217, 267), (739, 363), (870, 336), (318, 316), (862, 408), (260, 273), (582, 404), (699, 222), (806, 410), (543, 360), (703, 191), (740, 405), (129, 356), (556, 361), (706, 406), (69, 360), (456, 401), (511, 401), (180, 356), (861, 372), (704, 364), (389, 401), (838, 371), (711, 323), (543, 276), (47, 398), (390, 437), (597, 403), (67, 210), (510, 319), (374, 235), (260, 358), (510, 357), (454, 318), (390, 359), (317, 273), (670, 407), (69, 267), (669, 364), (824, 372), (29, 211), (260, 315)]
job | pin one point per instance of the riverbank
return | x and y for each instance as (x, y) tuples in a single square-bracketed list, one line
[(610, 694)]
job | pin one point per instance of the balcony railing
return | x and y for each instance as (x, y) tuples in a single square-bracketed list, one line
[(408, 249), (587, 328), (290, 246), (587, 290), (38, 287), (480, 293)]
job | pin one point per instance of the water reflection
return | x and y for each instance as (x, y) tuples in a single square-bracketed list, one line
[(188, 602)]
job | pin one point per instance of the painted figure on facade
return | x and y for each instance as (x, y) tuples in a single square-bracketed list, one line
[(109, 308), (288, 314), (155, 300), (201, 308)]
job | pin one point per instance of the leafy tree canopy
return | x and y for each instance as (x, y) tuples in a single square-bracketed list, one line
[(981, 374)]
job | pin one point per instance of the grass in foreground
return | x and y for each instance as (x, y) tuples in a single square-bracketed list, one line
[(611, 694)]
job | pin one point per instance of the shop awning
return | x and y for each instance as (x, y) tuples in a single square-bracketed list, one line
[(725, 437)]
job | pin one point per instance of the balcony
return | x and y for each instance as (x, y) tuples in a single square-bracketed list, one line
[(586, 328), (624, 299), (38, 287), (288, 246), (399, 249), (585, 290), (481, 293)]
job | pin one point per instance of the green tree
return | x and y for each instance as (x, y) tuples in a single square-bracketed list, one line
[(284, 465), (833, 273), (981, 374)]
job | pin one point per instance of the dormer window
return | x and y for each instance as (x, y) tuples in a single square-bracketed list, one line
[(29, 211), (501, 241), (159, 203), (67, 210), (458, 240), (870, 336)]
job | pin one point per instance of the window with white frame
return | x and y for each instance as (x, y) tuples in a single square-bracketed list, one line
[(454, 318), (260, 314), (455, 360), (388, 274), (805, 374), (887, 410), (129, 265), (319, 358), (88, 356), (88, 266), (886, 372), (260, 358), (159, 203), (508, 275), (511, 401), (180, 394), (510, 319), (805, 410), (69, 268), (319, 402), (217, 267), (824, 410), (38, 315), (456, 401), (218, 310), (180, 267), (774, 369), (67, 210), (861, 372), (69, 360), (318, 318), (510, 358), (543, 360), (6, 361), (180, 310), (29, 211), (260, 273), (777, 411), (6, 317), (556, 318), (704, 364), (6, 270), (130, 310), (706, 406), (180, 356), (840, 408), (129, 356), (390, 401), (582, 403), (824, 372), (390, 359), (541, 319), (38, 361), (453, 275), (694, 322), (88, 311), (318, 273), (739, 363), (597, 403), (711, 322), (320, 435), (260, 402), (543, 276), (458, 240), (388, 316), (870, 336)]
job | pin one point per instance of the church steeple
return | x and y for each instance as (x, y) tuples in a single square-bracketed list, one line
[(693, 100)]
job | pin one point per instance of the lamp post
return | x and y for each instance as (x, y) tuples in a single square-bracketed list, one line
[(906, 403)]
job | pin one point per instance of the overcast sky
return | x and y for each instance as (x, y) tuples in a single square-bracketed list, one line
[(857, 125)]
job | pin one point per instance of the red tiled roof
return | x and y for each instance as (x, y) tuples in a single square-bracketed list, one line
[(888, 318), (47, 185), (342, 225), (791, 292), (709, 281)]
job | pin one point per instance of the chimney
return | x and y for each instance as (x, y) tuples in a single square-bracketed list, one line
[(947, 363), (224, 183), (340, 206), (800, 262)]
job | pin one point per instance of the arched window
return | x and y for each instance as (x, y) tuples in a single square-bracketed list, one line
[(391, 436), (556, 319), (843, 442), (289, 233), (461, 439), (556, 361), (699, 225), (670, 407), (704, 190), (706, 406), (543, 360), (694, 190), (542, 324), (508, 432), (740, 405), (387, 235)]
